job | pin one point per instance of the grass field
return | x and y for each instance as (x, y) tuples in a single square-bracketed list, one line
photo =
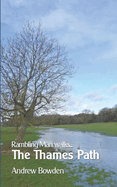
[(109, 128), (26, 180), (73, 176)]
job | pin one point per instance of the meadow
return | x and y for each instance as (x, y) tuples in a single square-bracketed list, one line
[(108, 128), (72, 176), (25, 180)]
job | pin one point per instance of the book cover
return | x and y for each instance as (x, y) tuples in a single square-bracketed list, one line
[(58, 93)]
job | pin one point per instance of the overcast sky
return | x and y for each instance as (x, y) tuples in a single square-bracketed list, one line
[(89, 30)]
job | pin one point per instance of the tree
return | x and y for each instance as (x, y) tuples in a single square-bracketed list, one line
[(35, 69), (105, 115), (114, 111)]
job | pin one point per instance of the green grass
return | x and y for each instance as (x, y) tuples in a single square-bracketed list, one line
[(109, 128), (71, 178), (93, 176), (26, 180), (32, 180), (8, 134)]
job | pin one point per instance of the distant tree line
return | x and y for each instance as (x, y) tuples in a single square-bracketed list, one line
[(87, 116), (104, 115)]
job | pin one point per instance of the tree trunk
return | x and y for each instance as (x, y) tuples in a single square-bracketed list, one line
[(28, 116), (16, 129), (21, 133), (16, 120)]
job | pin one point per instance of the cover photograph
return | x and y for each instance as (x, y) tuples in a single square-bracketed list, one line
[(58, 93)]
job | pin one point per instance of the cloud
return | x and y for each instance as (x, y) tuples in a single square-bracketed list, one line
[(90, 100), (90, 105), (56, 19), (71, 22), (17, 3), (94, 96), (74, 104), (77, 30), (113, 88)]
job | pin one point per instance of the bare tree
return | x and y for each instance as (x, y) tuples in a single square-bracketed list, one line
[(35, 69)]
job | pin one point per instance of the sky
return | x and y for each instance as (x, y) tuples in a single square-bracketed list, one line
[(88, 28)]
